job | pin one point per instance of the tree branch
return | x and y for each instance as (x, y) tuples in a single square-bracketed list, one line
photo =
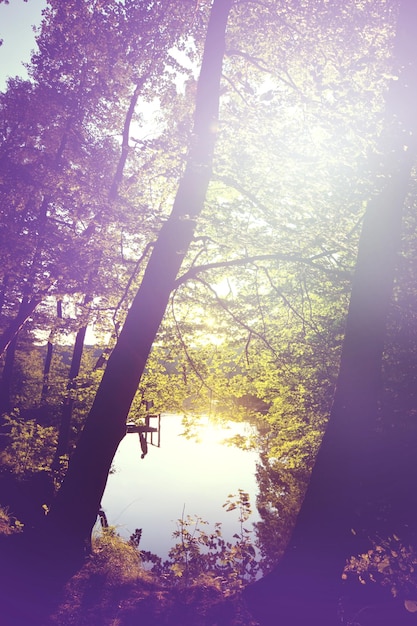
[(250, 330), (197, 269), (129, 284), (185, 349)]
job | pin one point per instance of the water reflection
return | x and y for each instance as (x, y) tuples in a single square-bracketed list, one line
[(192, 473)]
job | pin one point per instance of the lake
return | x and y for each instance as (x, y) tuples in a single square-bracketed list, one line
[(184, 476)]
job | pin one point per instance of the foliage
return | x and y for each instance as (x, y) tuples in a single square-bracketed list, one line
[(201, 572), (95, 595), (281, 491), (162, 383), (114, 558), (391, 564), (8, 523), (27, 375), (31, 446), (291, 181), (201, 556)]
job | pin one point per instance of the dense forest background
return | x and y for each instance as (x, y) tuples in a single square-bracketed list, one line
[(214, 204)]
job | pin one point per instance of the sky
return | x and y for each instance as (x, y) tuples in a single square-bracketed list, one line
[(16, 20)]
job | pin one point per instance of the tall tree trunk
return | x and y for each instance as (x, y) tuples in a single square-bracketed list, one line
[(75, 509), (7, 376), (68, 405), (47, 368), (3, 289), (5, 391), (339, 506), (8, 341), (49, 354)]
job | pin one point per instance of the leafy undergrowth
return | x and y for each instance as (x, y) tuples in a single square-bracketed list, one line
[(119, 585), (200, 583), (114, 588), (390, 567)]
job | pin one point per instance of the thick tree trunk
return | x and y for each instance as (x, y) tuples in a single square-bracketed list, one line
[(339, 508), (75, 510)]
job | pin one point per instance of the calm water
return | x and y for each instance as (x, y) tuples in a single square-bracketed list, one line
[(185, 475)]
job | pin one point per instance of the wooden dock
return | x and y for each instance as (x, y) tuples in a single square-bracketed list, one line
[(134, 428), (144, 429)]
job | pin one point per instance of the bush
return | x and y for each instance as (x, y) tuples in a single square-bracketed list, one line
[(204, 557), (389, 564), (30, 446)]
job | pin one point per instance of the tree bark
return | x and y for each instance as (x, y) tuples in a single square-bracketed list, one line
[(26, 308), (3, 290), (48, 357), (124, 153), (339, 507), (7, 376), (47, 369), (75, 509), (68, 405)]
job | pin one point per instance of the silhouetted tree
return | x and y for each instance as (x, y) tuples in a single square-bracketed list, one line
[(339, 511), (75, 509)]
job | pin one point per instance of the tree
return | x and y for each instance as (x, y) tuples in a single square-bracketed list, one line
[(66, 241), (57, 161), (74, 511), (340, 506)]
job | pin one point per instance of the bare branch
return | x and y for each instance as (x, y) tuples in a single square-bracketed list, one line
[(235, 318), (233, 86), (185, 349), (193, 272), (259, 64), (290, 306)]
